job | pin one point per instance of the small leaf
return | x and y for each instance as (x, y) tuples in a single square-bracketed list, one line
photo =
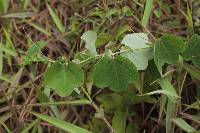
[(103, 38), (90, 38), (121, 30), (115, 73), (36, 48), (183, 125), (66, 126), (135, 40), (119, 121), (64, 78), (167, 50), (139, 57), (56, 19), (192, 50)]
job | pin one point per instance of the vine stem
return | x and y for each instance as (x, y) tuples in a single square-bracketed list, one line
[(101, 55), (98, 110)]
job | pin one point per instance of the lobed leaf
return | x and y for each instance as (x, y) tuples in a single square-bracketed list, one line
[(192, 51), (167, 50), (115, 73), (64, 78)]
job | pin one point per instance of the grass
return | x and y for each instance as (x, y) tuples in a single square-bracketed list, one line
[(62, 23)]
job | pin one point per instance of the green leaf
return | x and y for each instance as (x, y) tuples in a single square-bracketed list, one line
[(115, 73), (66, 126), (136, 40), (36, 48), (119, 121), (4, 4), (90, 38), (192, 50), (132, 128), (167, 50), (56, 19), (103, 38), (64, 78), (183, 125), (121, 30), (139, 57)]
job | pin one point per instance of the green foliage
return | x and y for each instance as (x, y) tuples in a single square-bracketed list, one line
[(183, 125), (139, 57), (56, 19), (167, 50), (118, 69), (192, 50), (115, 73), (63, 78), (119, 120), (4, 4), (90, 38), (36, 48), (136, 40), (98, 72)]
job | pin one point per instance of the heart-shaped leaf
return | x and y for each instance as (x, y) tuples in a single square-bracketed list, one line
[(167, 49), (115, 73), (192, 51), (64, 78)]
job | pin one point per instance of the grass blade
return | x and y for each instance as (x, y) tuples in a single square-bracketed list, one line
[(1, 60), (190, 20), (19, 15), (169, 89), (192, 70), (4, 125), (183, 125), (56, 19), (76, 102), (171, 108), (147, 12), (32, 124), (39, 28), (61, 124)]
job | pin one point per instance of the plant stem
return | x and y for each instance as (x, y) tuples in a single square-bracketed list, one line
[(98, 110)]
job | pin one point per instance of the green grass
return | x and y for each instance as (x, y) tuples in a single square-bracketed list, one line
[(118, 80)]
